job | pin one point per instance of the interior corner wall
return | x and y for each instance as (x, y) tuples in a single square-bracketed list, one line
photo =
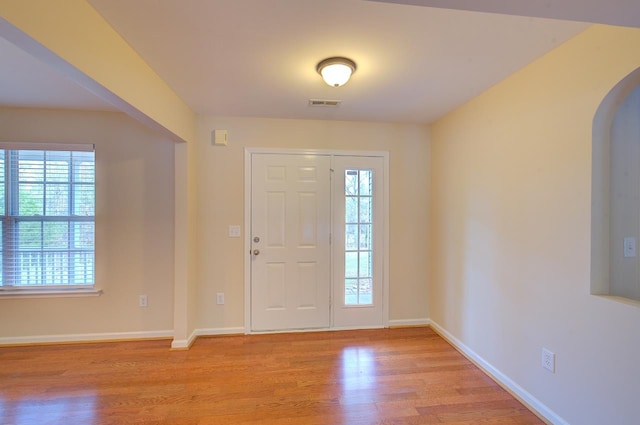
[(510, 233), (134, 230), (221, 203)]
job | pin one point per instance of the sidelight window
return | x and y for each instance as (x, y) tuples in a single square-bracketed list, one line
[(358, 237)]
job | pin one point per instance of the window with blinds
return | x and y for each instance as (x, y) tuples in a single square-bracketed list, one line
[(47, 205)]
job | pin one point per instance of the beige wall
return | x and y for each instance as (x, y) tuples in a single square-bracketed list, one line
[(135, 213), (510, 226), (134, 227), (221, 203)]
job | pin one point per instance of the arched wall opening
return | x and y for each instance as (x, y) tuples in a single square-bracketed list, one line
[(615, 208)]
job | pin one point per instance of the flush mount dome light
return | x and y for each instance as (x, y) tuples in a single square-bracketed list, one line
[(336, 71)]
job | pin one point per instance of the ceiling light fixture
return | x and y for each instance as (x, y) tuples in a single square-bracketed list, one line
[(336, 71)]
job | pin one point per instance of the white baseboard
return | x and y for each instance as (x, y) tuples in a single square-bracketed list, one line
[(408, 323), (184, 344), (93, 337), (219, 331), (503, 380)]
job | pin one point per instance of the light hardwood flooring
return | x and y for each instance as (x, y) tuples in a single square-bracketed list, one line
[(388, 376)]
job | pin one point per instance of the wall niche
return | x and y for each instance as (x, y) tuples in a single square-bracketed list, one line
[(615, 257)]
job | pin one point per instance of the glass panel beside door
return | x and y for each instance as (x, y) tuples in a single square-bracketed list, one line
[(358, 233), (358, 245)]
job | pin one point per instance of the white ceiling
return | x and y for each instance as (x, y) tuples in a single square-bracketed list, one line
[(258, 57)]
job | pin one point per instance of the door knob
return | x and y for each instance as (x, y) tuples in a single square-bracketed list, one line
[(256, 252)]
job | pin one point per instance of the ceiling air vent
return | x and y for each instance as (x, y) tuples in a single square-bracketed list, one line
[(322, 102)]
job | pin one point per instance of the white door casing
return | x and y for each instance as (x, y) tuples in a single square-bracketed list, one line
[(286, 282)]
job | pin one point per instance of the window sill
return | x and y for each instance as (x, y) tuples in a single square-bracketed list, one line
[(49, 293), (623, 300)]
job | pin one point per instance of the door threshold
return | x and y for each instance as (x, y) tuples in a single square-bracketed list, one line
[(333, 329)]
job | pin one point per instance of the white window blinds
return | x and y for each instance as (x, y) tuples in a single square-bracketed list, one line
[(47, 205)]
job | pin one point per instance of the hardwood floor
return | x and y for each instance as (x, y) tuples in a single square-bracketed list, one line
[(391, 376)]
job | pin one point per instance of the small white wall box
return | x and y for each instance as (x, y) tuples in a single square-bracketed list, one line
[(220, 137)]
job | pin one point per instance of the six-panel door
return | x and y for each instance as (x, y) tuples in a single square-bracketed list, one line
[(290, 250)]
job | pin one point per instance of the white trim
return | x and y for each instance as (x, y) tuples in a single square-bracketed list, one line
[(503, 380), (387, 241), (181, 344), (354, 328), (185, 344), (247, 238), (248, 152), (219, 331), (403, 323), (93, 337), (327, 152), (49, 293), (120, 336), (46, 146), (312, 330)]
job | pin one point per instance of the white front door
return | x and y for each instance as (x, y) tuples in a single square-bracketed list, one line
[(290, 241)]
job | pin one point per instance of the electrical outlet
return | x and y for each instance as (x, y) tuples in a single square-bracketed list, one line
[(143, 301), (629, 247), (220, 298), (548, 360)]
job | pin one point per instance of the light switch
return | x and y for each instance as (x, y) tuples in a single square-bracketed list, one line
[(234, 231), (629, 247)]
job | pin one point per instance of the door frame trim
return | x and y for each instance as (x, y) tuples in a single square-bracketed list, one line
[(248, 153)]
